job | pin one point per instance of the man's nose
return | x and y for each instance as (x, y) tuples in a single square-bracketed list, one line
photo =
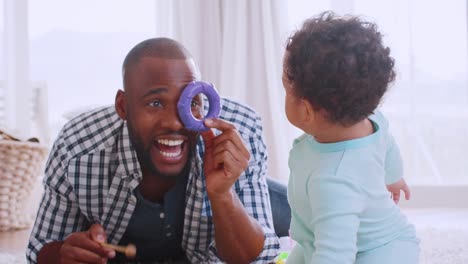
[(172, 121)]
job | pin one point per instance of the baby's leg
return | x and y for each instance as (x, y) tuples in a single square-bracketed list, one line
[(296, 256), (398, 251)]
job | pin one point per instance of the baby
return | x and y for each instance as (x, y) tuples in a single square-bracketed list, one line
[(335, 72)]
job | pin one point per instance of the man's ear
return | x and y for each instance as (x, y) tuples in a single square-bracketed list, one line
[(120, 104)]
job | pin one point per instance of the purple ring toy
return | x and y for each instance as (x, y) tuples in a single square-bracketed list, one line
[(185, 102)]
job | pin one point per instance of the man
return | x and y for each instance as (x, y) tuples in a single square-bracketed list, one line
[(133, 174)]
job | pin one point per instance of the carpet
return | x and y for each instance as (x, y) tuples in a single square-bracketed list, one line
[(10, 259), (438, 246), (444, 246)]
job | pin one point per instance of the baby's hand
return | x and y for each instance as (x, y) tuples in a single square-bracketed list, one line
[(395, 189)]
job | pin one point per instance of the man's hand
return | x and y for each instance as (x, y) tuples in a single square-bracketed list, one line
[(84, 247), (226, 157), (396, 188), (239, 237)]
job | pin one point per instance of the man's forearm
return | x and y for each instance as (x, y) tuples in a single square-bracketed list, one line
[(49, 254), (239, 237)]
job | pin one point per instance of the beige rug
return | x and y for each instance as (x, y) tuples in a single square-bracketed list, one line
[(444, 246), (438, 245), (10, 259)]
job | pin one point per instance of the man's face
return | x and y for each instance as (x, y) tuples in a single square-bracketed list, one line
[(152, 89)]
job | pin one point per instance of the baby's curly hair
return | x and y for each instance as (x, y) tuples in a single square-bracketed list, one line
[(340, 65)]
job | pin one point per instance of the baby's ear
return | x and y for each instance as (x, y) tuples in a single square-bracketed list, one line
[(307, 111)]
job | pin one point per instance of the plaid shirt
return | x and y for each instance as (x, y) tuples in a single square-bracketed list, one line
[(93, 169)]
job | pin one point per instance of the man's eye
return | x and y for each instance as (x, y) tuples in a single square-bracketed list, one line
[(195, 103), (156, 103)]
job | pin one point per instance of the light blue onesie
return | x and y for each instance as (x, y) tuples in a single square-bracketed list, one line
[(341, 210)]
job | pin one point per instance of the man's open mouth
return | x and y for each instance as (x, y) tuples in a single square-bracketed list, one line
[(170, 148)]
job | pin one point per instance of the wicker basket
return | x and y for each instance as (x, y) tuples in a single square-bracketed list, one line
[(20, 164)]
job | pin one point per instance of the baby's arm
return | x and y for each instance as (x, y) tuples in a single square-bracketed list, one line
[(338, 204), (393, 163), (394, 172)]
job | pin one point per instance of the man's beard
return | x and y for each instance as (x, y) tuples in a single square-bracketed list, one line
[(144, 156)]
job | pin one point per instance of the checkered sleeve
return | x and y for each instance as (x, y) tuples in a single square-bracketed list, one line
[(58, 214)]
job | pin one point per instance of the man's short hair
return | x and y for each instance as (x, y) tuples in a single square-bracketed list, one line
[(155, 47)]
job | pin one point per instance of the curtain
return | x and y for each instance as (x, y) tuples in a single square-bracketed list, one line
[(16, 92), (238, 46)]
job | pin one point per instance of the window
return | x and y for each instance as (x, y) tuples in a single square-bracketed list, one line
[(76, 52), (2, 66), (427, 106), (78, 48)]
